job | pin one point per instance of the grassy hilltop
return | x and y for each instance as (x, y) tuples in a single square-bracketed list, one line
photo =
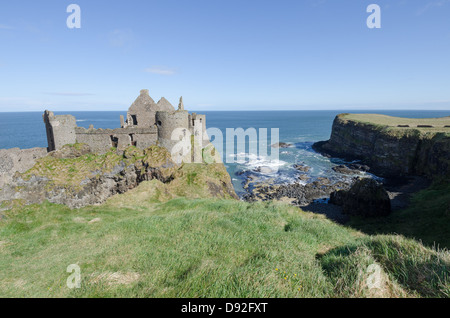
[(136, 245)]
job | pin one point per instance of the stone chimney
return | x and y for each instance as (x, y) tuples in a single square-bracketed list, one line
[(181, 105)]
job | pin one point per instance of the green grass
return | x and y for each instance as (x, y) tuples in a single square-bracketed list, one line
[(427, 219), (205, 248), (439, 124)]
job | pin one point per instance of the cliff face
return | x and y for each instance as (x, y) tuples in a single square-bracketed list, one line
[(75, 177), (389, 151)]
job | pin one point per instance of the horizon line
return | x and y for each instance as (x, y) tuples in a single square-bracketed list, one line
[(247, 110)]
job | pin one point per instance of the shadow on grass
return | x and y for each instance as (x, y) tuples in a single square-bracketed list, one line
[(427, 219)]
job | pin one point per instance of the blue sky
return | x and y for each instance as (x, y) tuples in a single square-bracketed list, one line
[(225, 55)]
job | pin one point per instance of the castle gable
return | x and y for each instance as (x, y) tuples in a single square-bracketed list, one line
[(164, 105), (143, 103)]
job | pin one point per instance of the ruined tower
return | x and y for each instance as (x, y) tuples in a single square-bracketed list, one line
[(60, 130)]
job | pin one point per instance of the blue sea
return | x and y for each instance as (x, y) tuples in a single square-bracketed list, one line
[(299, 128)]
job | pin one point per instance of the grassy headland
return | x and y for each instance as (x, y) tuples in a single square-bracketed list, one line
[(138, 245), (424, 125)]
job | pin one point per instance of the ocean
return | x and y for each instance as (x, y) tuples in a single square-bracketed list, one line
[(299, 128)]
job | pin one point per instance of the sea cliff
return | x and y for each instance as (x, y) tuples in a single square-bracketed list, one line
[(391, 146)]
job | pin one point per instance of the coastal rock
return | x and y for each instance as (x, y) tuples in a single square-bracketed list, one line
[(281, 145), (301, 167), (344, 170), (263, 170), (71, 151), (17, 160), (301, 194), (359, 167), (303, 177), (365, 198)]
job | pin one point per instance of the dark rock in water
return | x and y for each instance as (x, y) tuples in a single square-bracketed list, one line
[(345, 170), (301, 167), (281, 145), (365, 198), (359, 167), (303, 177), (263, 170), (324, 181), (302, 194)]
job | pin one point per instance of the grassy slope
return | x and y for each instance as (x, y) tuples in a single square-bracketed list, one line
[(205, 248), (427, 219)]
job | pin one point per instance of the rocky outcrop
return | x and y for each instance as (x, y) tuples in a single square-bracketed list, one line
[(70, 152), (389, 151), (76, 178), (302, 167), (365, 198), (297, 193), (281, 145), (17, 160)]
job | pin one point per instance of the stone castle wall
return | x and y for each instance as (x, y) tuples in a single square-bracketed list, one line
[(102, 140), (17, 160)]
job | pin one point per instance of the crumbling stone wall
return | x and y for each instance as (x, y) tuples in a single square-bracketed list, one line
[(101, 140), (17, 160)]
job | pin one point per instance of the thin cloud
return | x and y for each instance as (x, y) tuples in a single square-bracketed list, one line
[(68, 94), (5, 27), (121, 38), (431, 5), (160, 71)]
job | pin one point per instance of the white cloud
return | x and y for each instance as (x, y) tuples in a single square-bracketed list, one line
[(160, 70)]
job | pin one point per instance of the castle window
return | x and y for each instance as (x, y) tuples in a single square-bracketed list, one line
[(134, 118), (132, 141), (114, 141), (159, 123)]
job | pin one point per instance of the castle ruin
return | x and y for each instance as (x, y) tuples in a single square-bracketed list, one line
[(147, 123)]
